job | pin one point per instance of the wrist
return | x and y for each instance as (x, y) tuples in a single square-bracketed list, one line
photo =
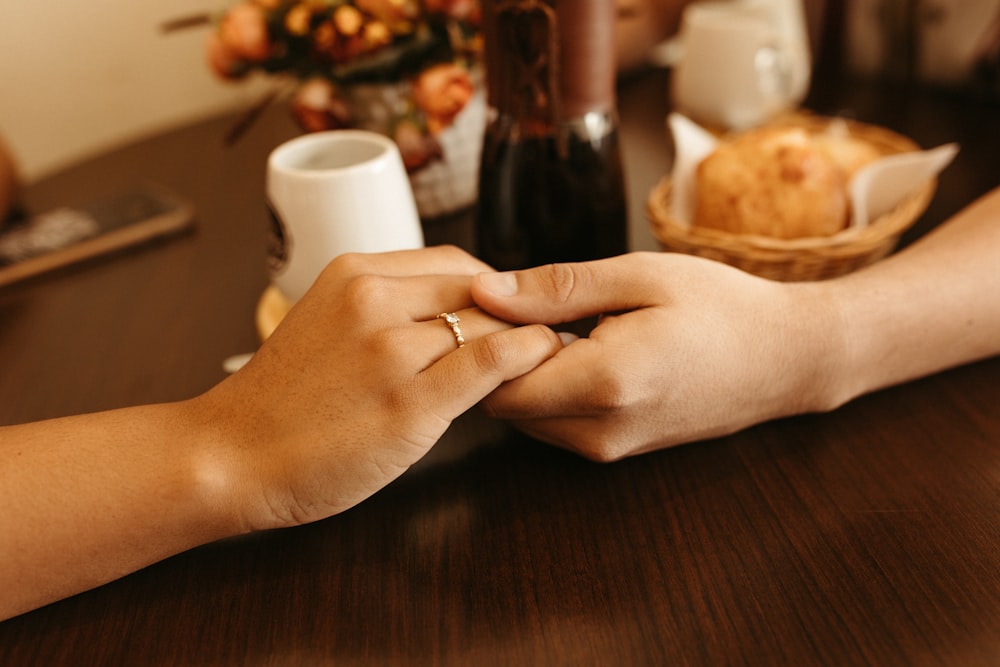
[(826, 378), (219, 466)]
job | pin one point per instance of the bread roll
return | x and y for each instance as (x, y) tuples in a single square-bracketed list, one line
[(778, 182), (849, 153)]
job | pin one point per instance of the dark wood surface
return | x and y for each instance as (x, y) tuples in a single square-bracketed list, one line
[(870, 535)]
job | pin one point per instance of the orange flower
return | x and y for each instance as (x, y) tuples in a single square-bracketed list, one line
[(335, 48), (376, 35), (347, 20), (297, 19), (441, 92), (222, 60), (463, 10), (397, 15), (340, 47), (243, 32), (316, 107)]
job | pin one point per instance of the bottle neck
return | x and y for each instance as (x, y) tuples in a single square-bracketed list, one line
[(550, 63), (587, 56)]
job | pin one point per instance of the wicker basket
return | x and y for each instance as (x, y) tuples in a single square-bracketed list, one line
[(812, 258)]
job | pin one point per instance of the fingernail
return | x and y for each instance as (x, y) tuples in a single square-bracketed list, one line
[(501, 284), (567, 337)]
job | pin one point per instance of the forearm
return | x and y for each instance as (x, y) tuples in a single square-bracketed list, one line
[(330, 409), (932, 306), (91, 498)]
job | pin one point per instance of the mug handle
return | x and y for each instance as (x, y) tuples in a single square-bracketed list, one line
[(782, 73)]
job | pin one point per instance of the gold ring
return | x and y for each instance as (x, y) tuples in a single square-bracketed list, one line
[(451, 319)]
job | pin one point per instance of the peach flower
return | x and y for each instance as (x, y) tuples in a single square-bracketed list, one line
[(297, 20), (243, 30), (441, 92), (316, 107), (398, 15), (463, 10), (222, 60)]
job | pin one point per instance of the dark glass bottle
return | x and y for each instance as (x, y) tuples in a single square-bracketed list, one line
[(551, 187)]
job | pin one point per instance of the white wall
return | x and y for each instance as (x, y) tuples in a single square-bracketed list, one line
[(78, 77)]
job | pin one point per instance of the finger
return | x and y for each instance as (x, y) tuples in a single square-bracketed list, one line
[(425, 297), (565, 385), (593, 438), (433, 260), (568, 433), (558, 293), (589, 377), (395, 300), (442, 335), (458, 381)]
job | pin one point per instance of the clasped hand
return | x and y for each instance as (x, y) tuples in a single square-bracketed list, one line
[(362, 378), (686, 349)]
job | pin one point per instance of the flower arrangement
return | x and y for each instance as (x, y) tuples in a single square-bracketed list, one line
[(325, 50)]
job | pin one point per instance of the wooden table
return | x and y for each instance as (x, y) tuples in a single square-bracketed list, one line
[(870, 535)]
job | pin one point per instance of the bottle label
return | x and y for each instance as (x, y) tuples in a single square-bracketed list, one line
[(527, 64)]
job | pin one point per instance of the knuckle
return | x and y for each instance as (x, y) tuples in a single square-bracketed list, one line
[(347, 264), (364, 299), (506, 351), (490, 353), (600, 442), (458, 260), (388, 343), (402, 401), (610, 392), (603, 442), (602, 449), (562, 279), (364, 291), (453, 252)]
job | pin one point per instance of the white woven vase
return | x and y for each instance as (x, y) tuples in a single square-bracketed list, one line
[(446, 185)]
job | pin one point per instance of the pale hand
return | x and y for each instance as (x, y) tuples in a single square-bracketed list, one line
[(688, 349)]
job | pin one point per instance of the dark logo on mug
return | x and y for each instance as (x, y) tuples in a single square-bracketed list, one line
[(277, 243)]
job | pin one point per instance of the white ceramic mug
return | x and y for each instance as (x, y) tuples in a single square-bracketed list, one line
[(335, 192), (741, 62)]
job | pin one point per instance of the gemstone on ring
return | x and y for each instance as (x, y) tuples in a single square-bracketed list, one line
[(452, 320)]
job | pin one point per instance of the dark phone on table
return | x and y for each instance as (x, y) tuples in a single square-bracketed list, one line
[(63, 236)]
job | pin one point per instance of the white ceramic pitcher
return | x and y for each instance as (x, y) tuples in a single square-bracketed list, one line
[(741, 62)]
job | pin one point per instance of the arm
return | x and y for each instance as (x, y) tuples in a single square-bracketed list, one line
[(355, 386), (697, 349), (932, 306)]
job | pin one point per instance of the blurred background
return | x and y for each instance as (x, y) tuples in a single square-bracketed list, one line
[(81, 78)]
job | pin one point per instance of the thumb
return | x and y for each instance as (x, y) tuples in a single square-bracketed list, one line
[(557, 293)]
